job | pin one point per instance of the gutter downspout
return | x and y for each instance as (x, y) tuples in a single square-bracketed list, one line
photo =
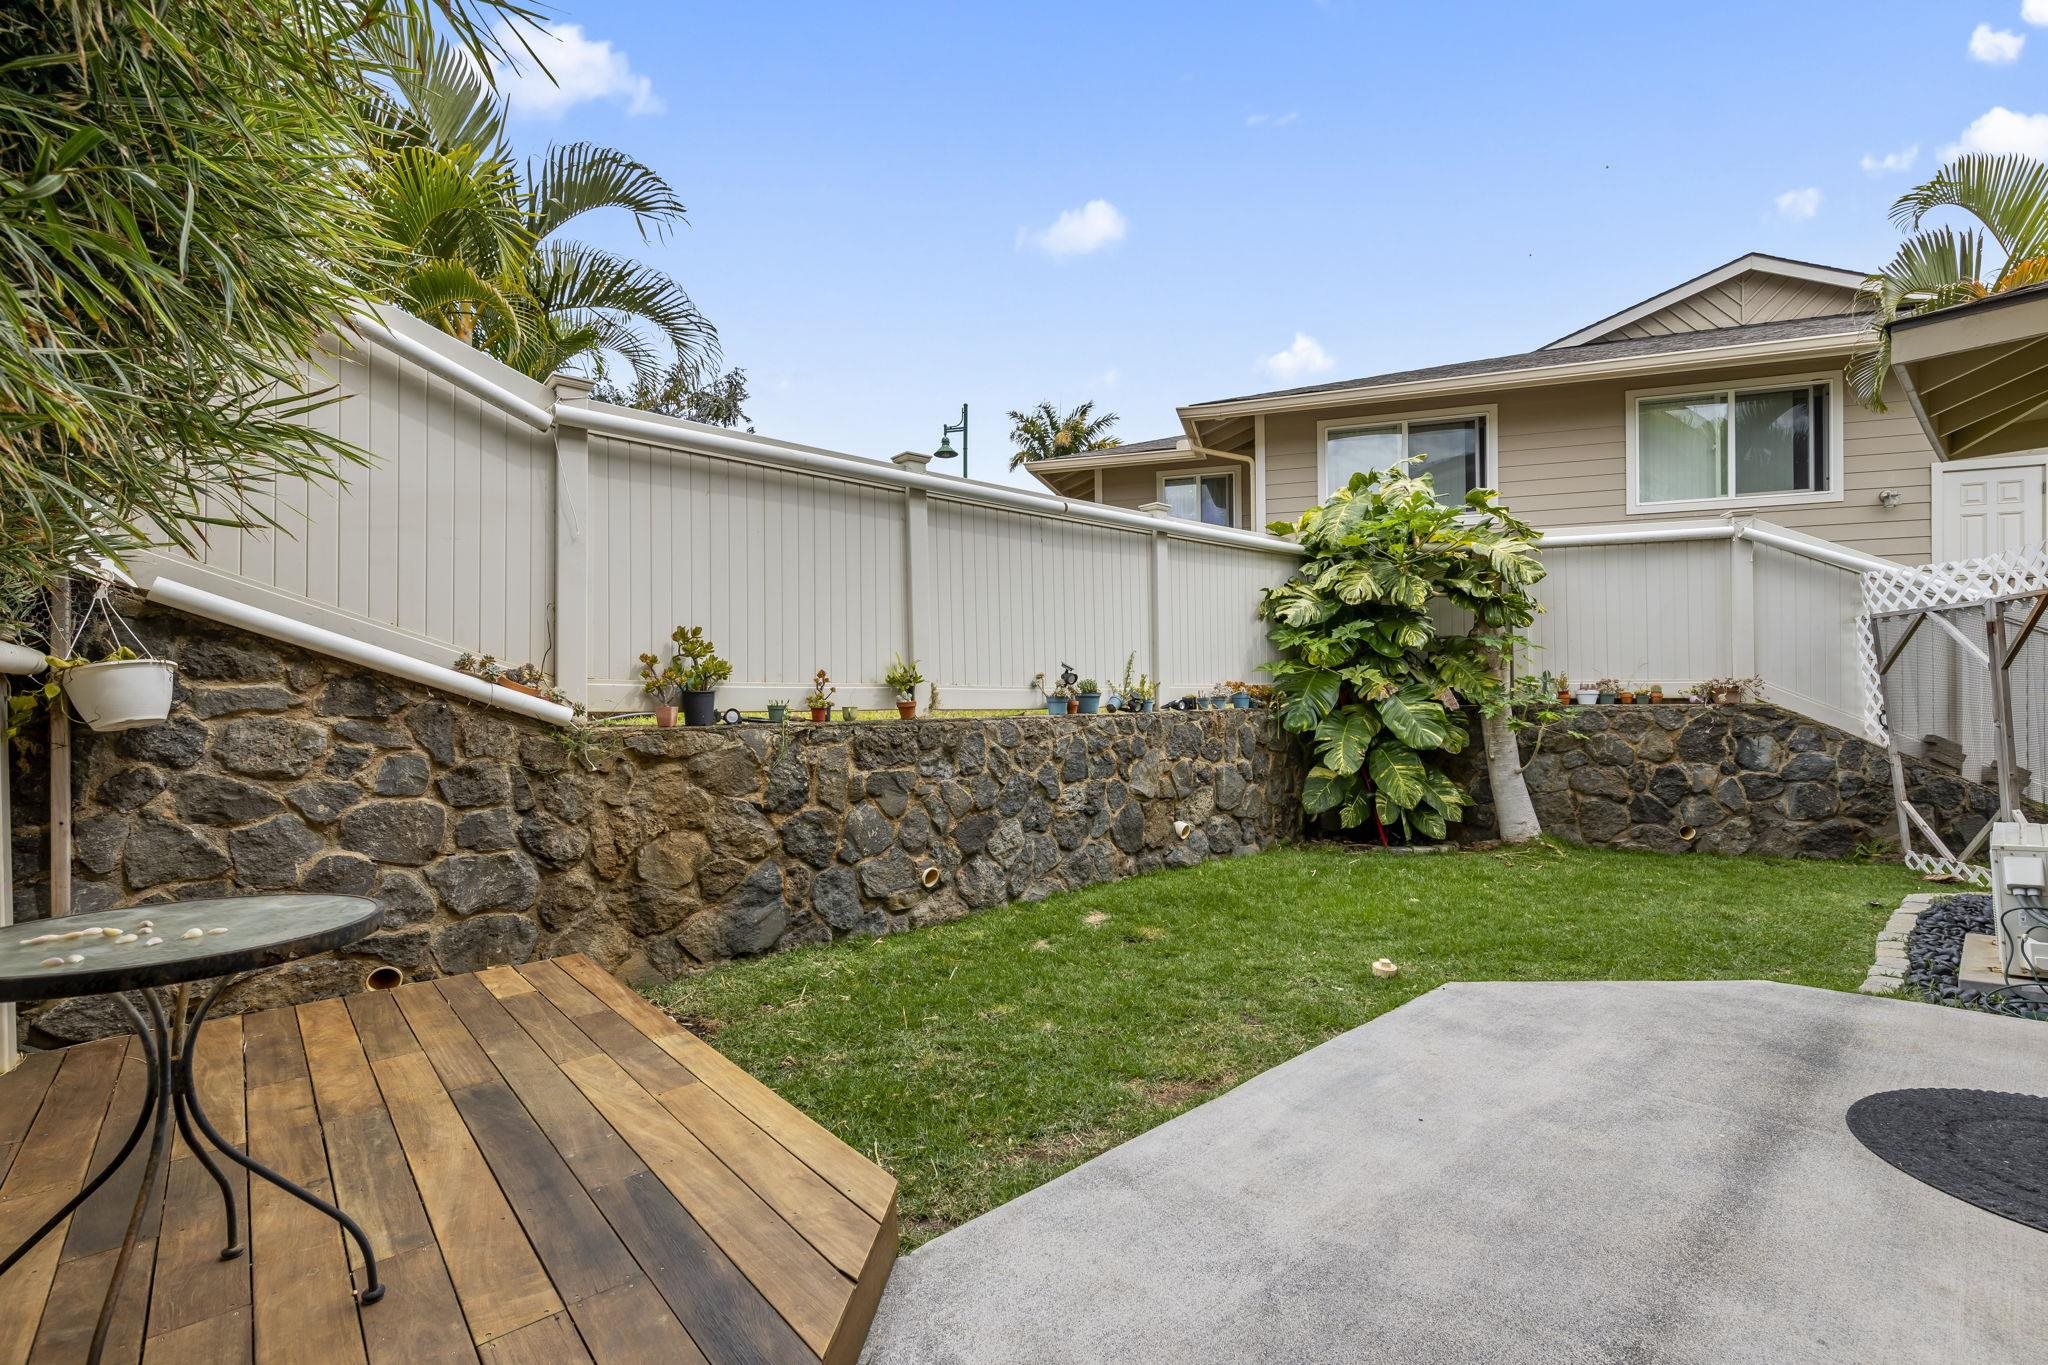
[(1932, 432)]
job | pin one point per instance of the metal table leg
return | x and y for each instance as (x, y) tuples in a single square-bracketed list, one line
[(170, 1040)]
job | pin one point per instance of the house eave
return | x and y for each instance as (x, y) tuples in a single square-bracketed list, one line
[(1759, 262), (1567, 372)]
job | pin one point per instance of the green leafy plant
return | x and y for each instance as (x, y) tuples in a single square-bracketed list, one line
[(902, 677), (1045, 433), (1088, 687), (698, 667), (1381, 691)]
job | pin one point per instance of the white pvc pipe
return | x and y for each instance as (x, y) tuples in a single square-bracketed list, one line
[(615, 422), (374, 329), (170, 593), (1853, 560), (19, 659), (1565, 540)]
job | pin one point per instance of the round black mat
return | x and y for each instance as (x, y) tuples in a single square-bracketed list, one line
[(1984, 1147)]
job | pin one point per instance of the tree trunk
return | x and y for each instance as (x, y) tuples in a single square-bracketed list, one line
[(1513, 812)]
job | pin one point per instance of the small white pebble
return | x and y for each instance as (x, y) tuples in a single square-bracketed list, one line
[(72, 933), (53, 962), (217, 930), (151, 943), (76, 957), (193, 933), (110, 932), (147, 924), (127, 938), (44, 938)]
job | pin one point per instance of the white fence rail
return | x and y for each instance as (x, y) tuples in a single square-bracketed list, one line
[(477, 519), (1678, 604)]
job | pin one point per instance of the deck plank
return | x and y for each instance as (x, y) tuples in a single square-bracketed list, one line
[(867, 1184), (804, 1287), (630, 1322), (302, 1297), (550, 1171), (496, 1273)]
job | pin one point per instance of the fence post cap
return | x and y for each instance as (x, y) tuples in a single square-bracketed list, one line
[(570, 387), (912, 460), (1155, 509)]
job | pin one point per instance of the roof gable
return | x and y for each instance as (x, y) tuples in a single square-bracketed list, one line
[(1746, 291)]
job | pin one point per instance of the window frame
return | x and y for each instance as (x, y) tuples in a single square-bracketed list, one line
[(1236, 490), (1834, 453), (1489, 449)]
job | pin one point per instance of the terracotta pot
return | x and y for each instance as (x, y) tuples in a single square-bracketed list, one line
[(1626, 698), (1564, 698), (665, 717), (519, 687), (1725, 696), (1073, 705), (906, 709), (820, 714)]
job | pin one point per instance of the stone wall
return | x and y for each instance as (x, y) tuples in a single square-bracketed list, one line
[(1723, 779), (489, 838)]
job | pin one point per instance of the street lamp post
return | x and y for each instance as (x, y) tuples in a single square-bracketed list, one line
[(945, 450)]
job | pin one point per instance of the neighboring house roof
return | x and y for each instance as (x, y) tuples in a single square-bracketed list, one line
[(1718, 299), (1123, 450), (1788, 335)]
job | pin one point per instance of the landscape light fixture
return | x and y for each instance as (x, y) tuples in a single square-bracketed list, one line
[(945, 450)]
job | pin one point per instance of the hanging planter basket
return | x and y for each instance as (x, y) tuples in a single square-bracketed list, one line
[(121, 694)]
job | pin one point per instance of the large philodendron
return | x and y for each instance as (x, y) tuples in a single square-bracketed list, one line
[(1380, 690)]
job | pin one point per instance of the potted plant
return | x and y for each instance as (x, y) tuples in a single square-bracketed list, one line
[(848, 713), (661, 682), (778, 712), (1565, 695), (1056, 702), (1144, 695), (120, 692), (1625, 694), (1090, 695), (1728, 691), (819, 698), (1607, 691), (902, 679), (697, 671), (1656, 694), (1240, 695)]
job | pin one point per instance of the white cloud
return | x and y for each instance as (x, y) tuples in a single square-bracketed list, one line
[(2000, 130), (1799, 205), (580, 70), (1108, 378), (1272, 120), (2034, 11), (1305, 357), (1093, 226), (1893, 162), (1996, 46)]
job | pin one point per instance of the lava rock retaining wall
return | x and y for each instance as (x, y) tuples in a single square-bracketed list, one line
[(1752, 778), (488, 839)]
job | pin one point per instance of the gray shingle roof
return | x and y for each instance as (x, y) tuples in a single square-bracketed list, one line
[(1840, 323), (1122, 448)]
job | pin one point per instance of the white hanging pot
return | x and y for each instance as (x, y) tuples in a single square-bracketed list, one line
[(121, 694)]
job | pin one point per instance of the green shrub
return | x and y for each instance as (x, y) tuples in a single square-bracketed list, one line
[(1382, 691)]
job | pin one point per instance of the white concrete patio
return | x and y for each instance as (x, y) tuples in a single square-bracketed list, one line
[(1517, 1173)]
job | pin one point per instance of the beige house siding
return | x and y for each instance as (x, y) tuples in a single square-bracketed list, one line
[(1563, 461), (1750, 298)]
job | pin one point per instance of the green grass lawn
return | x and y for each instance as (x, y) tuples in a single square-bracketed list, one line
[(978, 1059)]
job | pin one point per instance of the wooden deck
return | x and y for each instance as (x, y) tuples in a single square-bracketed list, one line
[(550, 1169)]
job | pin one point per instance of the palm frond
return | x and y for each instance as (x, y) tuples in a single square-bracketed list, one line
[(582, 176), (2008, 194)]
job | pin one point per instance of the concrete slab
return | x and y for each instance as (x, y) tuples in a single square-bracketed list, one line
[(1517, 1173)]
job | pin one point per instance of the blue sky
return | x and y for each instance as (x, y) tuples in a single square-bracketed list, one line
[(877, 191)]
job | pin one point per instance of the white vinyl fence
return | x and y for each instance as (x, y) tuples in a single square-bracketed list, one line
[(1678, 604), (493, 498)]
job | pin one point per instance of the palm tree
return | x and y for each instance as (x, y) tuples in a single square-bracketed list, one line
[(1942, 266), (1043, 434), (475, 246)]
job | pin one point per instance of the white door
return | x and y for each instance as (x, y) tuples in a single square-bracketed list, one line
[(1990, 506)]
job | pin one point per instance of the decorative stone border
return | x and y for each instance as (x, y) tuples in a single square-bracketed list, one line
[(1888, 972)]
